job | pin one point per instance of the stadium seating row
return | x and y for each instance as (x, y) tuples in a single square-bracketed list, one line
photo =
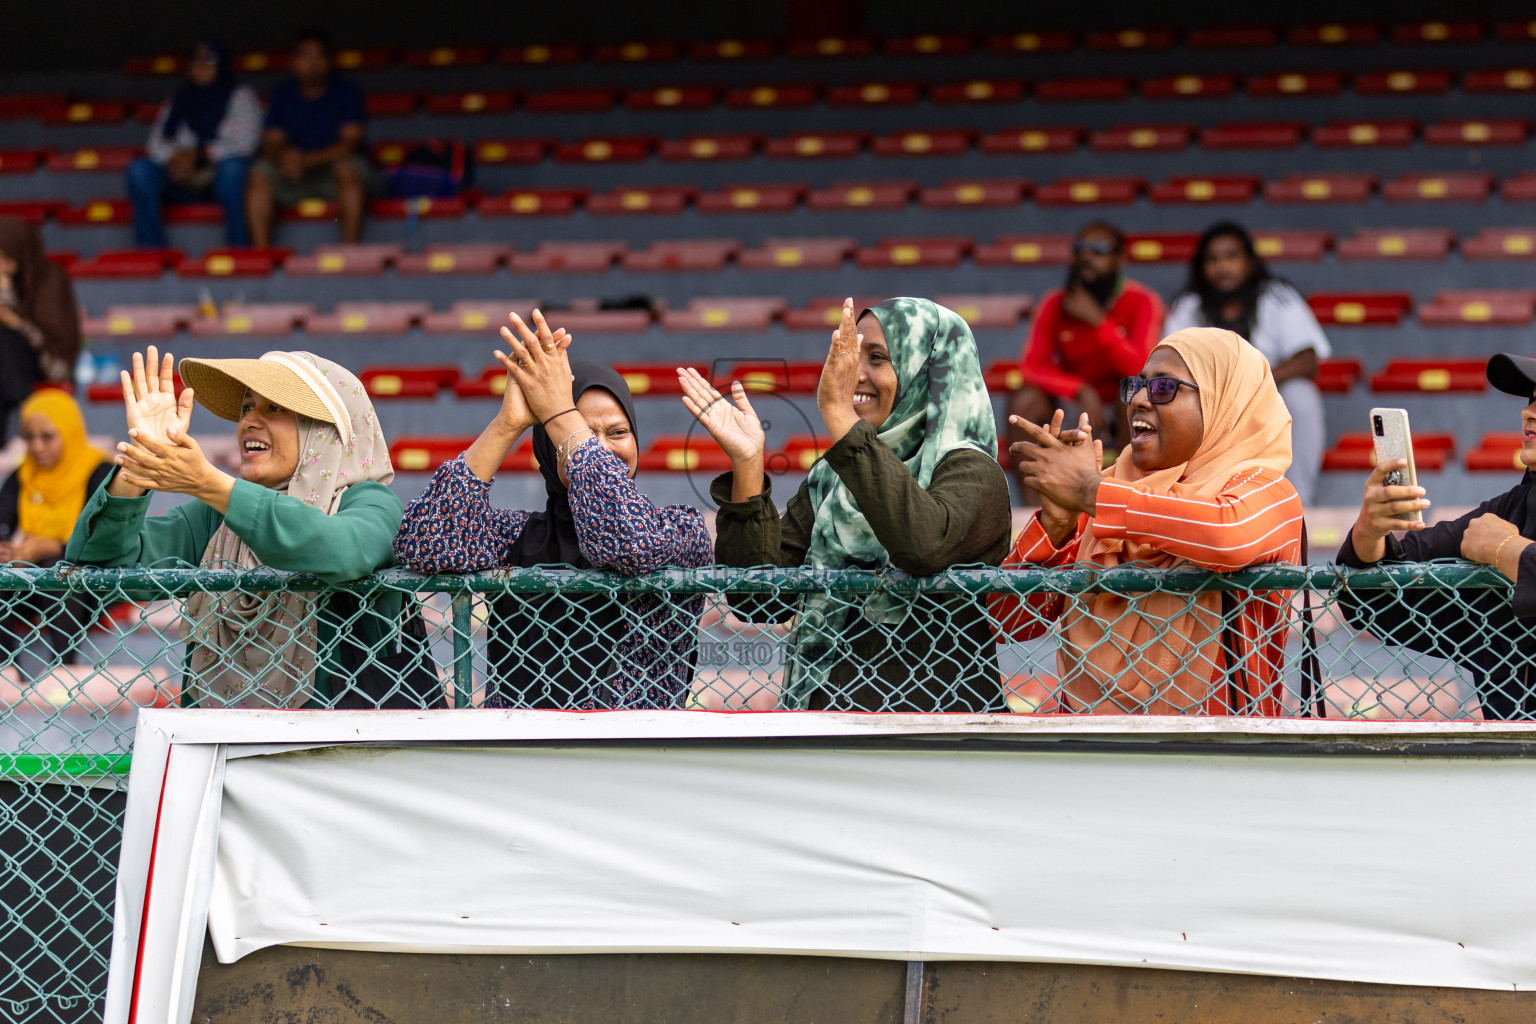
[(948, 44)]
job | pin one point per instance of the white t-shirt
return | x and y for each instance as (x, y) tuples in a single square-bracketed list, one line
[(1283, 327)]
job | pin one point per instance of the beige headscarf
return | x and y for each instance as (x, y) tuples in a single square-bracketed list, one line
[(259, 650), (1157, 645)]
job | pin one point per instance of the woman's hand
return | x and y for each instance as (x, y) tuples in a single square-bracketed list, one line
[(1380, 510), (840, 377), (177, 466), (541, 368), (485, 456), (734, 426), (1064, 467), (1493, 541), (32, 550), (150, 398), (515, 415), (1059, 521)]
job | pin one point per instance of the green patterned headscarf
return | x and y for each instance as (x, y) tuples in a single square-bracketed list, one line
[(941, 405)]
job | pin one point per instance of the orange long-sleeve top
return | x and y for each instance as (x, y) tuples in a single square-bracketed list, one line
[(1255, 520)]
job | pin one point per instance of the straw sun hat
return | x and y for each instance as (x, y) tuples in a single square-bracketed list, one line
[(282, 377)]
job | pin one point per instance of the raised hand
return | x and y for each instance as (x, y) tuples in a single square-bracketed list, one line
[(840, 377), (538, 363), (1064, 468), (149, 398), (731, 422), (174, 466)]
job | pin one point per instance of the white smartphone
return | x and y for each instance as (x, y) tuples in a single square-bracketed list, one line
[(1392, 440)]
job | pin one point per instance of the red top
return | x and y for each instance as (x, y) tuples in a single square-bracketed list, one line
[(1064, 353)]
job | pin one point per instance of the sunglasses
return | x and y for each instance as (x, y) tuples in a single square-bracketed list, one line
[(1160, 390), (1096, 248)]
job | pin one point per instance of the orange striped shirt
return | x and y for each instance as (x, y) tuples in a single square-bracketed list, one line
[(1255, 520)]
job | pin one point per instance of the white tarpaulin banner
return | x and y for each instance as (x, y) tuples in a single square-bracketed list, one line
[(906, 837)]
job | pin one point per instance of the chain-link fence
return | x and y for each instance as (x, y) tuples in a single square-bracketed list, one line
[(84, 649)]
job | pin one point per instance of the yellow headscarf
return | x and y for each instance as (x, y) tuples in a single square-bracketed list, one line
[(51, 499)]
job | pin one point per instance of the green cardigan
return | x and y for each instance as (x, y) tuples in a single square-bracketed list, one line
[(283, 532), (943, 657)]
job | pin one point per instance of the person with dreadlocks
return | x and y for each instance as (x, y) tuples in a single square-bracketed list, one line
[(1231, 288)]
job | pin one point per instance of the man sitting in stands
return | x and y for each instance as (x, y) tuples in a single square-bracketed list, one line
[(313, 144), (1087, 336)]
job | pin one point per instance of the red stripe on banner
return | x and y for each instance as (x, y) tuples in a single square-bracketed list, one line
[(149, 882)]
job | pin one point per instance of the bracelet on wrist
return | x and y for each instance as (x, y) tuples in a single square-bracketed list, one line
[(557, 415)]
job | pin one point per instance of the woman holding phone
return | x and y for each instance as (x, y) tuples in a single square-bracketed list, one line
[(1483, 631)]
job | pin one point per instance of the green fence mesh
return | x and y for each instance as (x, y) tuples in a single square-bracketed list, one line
[(81, 650)]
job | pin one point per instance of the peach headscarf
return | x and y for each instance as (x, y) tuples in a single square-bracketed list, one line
[(1154, 646)]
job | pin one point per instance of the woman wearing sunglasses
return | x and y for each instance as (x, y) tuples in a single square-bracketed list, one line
[(1201, 483)]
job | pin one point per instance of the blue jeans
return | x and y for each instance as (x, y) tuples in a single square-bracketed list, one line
[(149, 185)]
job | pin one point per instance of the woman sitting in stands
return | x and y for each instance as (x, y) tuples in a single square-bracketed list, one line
[(39, 504), (558, 650), (312, 496), (1487, 632), (910, 481), (1202, 483), (39, 318)]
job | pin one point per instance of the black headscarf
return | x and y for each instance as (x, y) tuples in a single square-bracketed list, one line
[(556, 651), (202, 107)]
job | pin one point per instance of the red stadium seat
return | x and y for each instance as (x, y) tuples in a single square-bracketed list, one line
[(801, 451), (1131, 39), (96, 112), (1089, 191), (367, 58), (129, 263), (454, 258), (978, 90), (695, 452), (1151, 137), (143, 321), (771, 198), (816, 145), (1439, 32), (570, 101), (602, 321), (1304, 245), (445, 57), (1052, 139), (733, 49), (797, 254), (407, 381), (1025, 250), (1295, 83), (1404, 83), (1078, 90), (778, 375), (1178, 87), (1002, 376), (1500, 244), (1515, 80), (27, 106), (471, 102), (475, 316), (1360, 308), (1497, 452), (539, 202), (1165, 247), (1517, 31), (424, 454), (875, 94), (419, 208), (855, 195), (1519, 189), (368, 318), (391, 104), (310, 209), (636, 53), (987, 311), (832, 46), (1222, 188), (106, 159), (1359, 134), (1432, 375), (539, 53), (613, 149), (950, 45), (698, 254), (1396, 244), (1438, 187), (258, 319), (39, 210), (672, 97), (1003, 192), (1493, 131), (923, 143), (711, 147), (1345, 187), (655, 378), (825, 312), (914, 252), (20, 161), (1357, 452), (194, 213), (1338, 376), (391, 154), (644, 199), (95, 212), (766, 96), (1252, 37), (724, 314), (232, 263), (1473, 308), (569, 257), (1031, 42), (490, 383), (160, 64), (1253, 135)]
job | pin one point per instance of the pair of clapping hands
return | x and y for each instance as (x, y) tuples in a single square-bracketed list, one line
[(1063, 467), (538, 373), (160, 453)]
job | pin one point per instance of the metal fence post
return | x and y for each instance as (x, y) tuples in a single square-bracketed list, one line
[(463, 677)]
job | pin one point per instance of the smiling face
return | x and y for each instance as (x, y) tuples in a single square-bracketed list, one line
[(875, 395), (1226, 265), (269, 441), (1163, 436), (44, 442), (603, 413), (1528, 425)]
